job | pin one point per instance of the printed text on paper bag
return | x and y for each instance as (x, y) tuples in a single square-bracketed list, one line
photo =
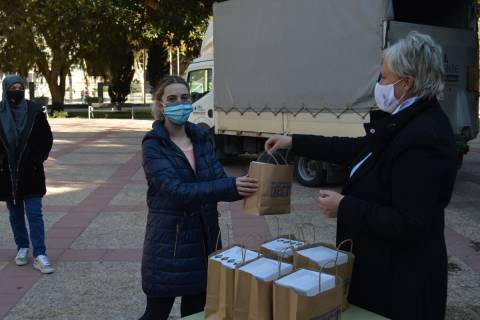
[(280, 189)]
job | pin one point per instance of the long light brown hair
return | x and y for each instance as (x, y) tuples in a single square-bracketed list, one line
[(160, 90)]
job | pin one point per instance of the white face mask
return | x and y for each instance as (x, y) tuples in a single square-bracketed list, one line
[(385, 96)]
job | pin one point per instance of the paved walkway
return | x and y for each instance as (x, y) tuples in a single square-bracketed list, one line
[(95, 217)]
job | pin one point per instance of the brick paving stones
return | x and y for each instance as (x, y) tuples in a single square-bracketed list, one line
[(95, 216)]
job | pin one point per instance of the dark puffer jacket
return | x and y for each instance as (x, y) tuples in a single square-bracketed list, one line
[(182, 223), (33, 149)]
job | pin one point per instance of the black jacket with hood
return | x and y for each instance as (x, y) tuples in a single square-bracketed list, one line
[(22, 174)]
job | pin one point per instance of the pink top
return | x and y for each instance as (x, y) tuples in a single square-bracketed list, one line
[(190, 157)]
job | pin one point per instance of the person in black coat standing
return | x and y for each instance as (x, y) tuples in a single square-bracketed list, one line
[(185, 183), (25, 142), (402, 177)]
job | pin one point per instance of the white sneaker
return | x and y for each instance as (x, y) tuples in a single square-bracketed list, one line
[(41, 263), (22, 257)]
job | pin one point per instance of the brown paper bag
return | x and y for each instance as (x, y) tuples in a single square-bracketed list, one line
[(292, 237), (253, 297), (275, 184), (267, 252), (344, 271), (220, 289), (288, 305)]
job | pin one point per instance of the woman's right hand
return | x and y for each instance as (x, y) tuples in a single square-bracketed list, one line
[(277, 142), (246, 186)]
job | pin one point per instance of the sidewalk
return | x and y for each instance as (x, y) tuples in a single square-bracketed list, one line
[(95, 215)]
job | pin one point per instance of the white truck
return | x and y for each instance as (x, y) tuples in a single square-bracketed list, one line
[(309, 67)]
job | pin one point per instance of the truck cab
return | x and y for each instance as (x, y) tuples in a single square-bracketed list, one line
[(199, 76), (200, 80)]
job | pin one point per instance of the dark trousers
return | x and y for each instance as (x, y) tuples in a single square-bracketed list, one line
[(159, 308)]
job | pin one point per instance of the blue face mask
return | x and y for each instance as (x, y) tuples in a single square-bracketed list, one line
[(178, 113)]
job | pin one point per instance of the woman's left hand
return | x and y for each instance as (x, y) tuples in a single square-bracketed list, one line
[(329, 202)]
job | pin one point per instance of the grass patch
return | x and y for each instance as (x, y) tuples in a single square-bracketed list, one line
[(58, 114)]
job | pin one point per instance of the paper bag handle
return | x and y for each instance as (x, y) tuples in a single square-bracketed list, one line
[(336, 258), (346, 241), (279, 259), (277, 219), (278, 225), (320, 273), (229, 234), (313, 229), (290, 237), (217, 243), (334, 261), (274, 157), (299, 228), (218, 239), (243, 247)]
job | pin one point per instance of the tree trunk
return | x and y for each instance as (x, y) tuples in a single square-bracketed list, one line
[(56, 84), (157, 65)]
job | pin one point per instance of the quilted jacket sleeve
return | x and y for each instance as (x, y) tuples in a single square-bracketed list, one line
[(160, 172), (217, 167)]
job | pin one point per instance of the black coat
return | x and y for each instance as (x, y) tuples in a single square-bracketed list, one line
[(34, 146), (182, 223), (393, 209)]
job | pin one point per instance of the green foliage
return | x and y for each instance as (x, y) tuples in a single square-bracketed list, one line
[(51, 36), (157, 66), (58, 114), (89, 100), (127, 26), (121, 74), (118, 33), (176, 19), (43, 35), (136, 87), (177, 23)]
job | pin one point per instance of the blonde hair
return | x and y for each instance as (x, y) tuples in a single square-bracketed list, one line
[(160, 90), (418, 56)]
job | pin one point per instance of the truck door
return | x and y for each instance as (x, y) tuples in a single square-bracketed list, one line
[(200, 81), (453, 26)]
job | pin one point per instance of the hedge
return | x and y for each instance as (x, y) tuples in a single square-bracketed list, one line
[(113, 114), (105, 114)]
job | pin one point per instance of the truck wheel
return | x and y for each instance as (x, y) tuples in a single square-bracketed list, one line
[(309, 172)]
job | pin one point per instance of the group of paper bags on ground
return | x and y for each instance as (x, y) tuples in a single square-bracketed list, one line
[(285, 280)]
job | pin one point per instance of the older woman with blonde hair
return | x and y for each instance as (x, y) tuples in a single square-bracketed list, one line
[(401, 180)]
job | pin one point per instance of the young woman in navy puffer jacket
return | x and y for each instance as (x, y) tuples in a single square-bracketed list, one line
[(185, 183)]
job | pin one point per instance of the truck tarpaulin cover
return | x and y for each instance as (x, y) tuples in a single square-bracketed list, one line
[(283, 54)]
